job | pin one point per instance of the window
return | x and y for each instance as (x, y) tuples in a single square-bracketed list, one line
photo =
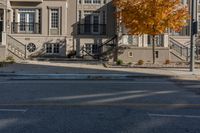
[(92, 22), (27, 20), (56, 48), (48, 48), (91, 48), (54, 18), (88, 1), (130, 39), (96, 1), (52, 48), (92, 1)]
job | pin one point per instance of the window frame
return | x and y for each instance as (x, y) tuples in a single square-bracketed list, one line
[(52, 48), (92, 2), (58, 18), (26, 12)]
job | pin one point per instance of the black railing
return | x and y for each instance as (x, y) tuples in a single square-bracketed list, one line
[(25, 28), (91, 29)]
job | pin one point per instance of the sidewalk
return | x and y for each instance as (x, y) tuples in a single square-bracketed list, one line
[(66, 70)]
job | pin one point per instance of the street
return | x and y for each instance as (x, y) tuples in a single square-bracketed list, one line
[(99, 106)]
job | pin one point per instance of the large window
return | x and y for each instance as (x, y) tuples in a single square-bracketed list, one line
[(52, 48), (92, 22), (26, 20), (54, 18)]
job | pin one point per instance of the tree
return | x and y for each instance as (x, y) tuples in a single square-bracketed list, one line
[(152, 17)]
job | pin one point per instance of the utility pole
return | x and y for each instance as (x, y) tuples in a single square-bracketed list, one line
[(193, 23)]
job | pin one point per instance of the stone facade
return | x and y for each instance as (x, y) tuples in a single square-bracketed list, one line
[(58, 28)]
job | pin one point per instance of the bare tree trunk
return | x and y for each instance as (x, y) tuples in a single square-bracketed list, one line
[(153, 49)]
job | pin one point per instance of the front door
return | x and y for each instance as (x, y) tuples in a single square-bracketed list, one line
[(1, 29)]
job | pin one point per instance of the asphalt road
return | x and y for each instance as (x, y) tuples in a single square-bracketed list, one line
[(137, 106)]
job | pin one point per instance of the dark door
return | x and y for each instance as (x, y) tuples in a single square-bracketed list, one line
[(1, 29)]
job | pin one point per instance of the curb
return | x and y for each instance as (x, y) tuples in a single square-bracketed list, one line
[(78, 76)]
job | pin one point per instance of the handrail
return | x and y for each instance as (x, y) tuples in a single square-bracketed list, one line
[(182, 50), (16, 40), (83, 50), (177, 43), (108, 41), (100, 53), (17, 45)]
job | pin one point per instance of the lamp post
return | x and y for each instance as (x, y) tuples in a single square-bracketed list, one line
[(193, 23)]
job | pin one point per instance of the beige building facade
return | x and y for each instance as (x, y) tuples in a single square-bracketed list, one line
[(76, 28)]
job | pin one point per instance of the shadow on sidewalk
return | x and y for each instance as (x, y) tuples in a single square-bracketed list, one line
[(64, 68)]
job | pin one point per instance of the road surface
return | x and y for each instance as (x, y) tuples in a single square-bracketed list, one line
[(99, 106)]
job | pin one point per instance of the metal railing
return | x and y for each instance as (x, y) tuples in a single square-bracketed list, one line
[(25, 28), (182, 50), (16, 47), (91, 29), (100, 51)]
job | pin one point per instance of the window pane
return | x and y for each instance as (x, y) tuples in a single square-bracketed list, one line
[(48, 48), (54, 18), (22, 22), (56, 48)]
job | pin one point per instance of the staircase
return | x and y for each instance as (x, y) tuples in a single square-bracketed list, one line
[(178, 49), (105, 50), (16, 48)]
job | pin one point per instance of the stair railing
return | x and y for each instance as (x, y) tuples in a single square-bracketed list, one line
[(182, 50), (17, 48)]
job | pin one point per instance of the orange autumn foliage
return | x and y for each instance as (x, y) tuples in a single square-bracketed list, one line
[(151, 17)]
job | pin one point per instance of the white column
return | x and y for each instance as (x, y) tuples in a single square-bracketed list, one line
[(16, 20), (166, 40), (3, 38), (139, 41), (36, 21), (4, 20), (4, 28), (36, 16), (145, 38)]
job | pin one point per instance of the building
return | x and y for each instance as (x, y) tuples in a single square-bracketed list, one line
[(77, 29)]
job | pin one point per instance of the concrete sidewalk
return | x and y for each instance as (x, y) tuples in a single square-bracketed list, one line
[(66, 70)]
